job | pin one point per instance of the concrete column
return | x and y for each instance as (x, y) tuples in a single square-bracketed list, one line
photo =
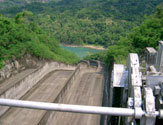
[(120, 76), (134, 75), (149, 101), (151, 54), (134, 84), (159, 61)]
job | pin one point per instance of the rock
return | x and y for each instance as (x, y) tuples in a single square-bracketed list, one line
[(6, 68), (27, 61), (2, 75), (23, 68), (12, 64), (15, 72), (34, 63), (17, 65), (28, 56), (6, 62), (8, 74)]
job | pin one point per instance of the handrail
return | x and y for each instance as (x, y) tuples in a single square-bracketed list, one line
[(74, 108)]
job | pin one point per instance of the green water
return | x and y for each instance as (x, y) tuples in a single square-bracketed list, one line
[(81, 51)]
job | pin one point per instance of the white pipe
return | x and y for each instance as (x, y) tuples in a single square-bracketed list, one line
[(68, 108)]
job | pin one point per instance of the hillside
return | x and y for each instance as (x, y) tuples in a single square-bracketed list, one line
[(19, 36), (146, 35), (20, 3), (101, 22)]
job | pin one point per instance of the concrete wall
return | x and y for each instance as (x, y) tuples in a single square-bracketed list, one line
[(80, 70), (23, 86), (13, 66)]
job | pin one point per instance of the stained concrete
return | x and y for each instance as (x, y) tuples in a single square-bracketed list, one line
[(46, 91), (16, 86), (86, 90), (84, 86)]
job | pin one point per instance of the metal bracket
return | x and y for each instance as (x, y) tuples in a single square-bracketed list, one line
[(138, 113)]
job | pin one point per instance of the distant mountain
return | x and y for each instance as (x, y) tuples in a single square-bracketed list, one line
[(24, 1), (12, 3)]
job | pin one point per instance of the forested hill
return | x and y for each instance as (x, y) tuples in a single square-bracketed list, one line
[(85, 21), (146, 35), (12, 3), (19, 36)]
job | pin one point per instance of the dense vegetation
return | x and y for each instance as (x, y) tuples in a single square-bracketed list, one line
[(146, 35), (104, 22), (101, 22), (19, 36), (18, 3)]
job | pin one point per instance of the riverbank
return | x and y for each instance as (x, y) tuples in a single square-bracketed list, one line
[(86, 46)]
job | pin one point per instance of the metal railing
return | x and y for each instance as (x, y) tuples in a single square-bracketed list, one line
[(138, 113)]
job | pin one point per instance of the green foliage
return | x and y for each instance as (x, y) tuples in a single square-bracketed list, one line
[(117, 53), (101, 22), (97, 56), (1, 64), (146, 35), (19, 37), (104, 22), (20, 17)]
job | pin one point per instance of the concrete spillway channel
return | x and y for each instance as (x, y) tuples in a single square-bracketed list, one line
[(83, 86)]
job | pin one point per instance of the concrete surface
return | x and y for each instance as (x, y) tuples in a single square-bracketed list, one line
[(16, 87), (87, 90), (13, 80), (84, 86), (120, 76), (46, 90)]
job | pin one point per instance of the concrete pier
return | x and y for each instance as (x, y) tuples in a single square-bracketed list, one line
[(159, 61)]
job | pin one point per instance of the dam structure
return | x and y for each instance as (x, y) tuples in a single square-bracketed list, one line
[(54, 83), (87, 94)]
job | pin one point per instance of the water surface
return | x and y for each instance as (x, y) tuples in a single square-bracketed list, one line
[(81, 51)]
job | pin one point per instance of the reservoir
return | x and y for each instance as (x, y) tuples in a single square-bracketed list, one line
[(81, 51)]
